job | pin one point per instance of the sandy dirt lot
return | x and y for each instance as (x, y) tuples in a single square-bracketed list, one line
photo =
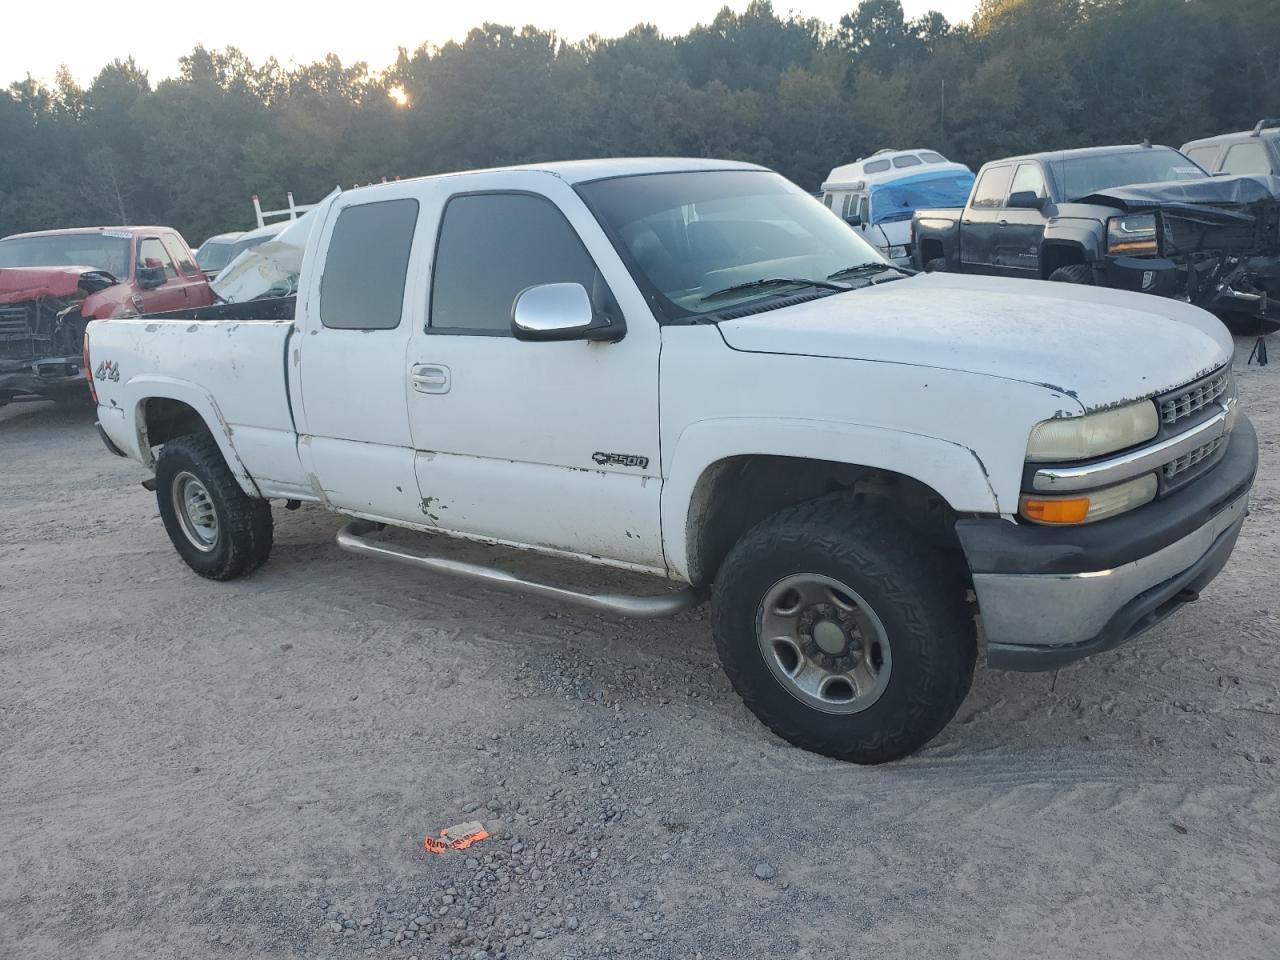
[(191, 769)]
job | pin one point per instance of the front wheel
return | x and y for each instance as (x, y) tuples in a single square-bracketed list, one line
[(843, 632), (220, 531), (1073, 273)]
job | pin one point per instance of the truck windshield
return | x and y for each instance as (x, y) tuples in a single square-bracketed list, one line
[(690, 237), (99, 251), (215, 254), (1082, 176)]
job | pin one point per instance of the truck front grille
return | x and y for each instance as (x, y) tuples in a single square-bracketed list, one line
[(1194, 397), (1188, 460), (18, 341)]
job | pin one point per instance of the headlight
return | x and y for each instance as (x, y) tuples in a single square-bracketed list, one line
[(1133, 235), (1082, 438), (1091, 506)]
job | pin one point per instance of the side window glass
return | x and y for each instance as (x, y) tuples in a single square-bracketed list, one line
[(494, 245), (907, 161), (829, 199), (178, 252), (152, 253), (1245, 158), (1205, 156), (362, 287), (875, 166), (992, 188), (1028, 178)]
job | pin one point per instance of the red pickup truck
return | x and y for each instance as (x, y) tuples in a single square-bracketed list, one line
[(54, 282)]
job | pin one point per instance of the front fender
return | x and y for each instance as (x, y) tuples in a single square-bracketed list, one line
[(146, 387), (952, 470), (1085, 235)]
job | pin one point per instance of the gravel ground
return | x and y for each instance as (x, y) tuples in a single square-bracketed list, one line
[(191, 769)]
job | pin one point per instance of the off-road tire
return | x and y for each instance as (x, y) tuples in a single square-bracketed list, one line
[(244, 523), (1073, 273), (936, 265), (918, 596)]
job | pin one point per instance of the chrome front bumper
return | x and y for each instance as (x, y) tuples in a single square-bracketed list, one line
[(1048, 597)]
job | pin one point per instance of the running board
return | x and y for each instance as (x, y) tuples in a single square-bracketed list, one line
[(352, 538)]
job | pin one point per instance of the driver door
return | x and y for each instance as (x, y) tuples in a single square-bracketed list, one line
[(552, 445)]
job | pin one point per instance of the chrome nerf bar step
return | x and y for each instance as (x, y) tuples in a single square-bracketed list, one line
[(353, 538)]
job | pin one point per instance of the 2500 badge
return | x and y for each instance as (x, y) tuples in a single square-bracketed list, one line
[(620, 460)]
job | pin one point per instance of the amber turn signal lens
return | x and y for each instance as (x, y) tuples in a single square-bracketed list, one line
[(1056, 511)]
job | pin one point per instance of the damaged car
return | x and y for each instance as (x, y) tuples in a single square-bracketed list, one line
[(1143, 218), (53, 283)]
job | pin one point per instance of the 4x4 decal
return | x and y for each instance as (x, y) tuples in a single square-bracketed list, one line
[(107, 370)]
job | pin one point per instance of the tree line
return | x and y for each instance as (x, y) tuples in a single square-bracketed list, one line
[(793, 93)]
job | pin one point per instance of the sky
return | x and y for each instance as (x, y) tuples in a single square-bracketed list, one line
[(85, 35)]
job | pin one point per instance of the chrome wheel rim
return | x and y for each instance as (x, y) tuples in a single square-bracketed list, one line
[(823, 643), (195, 510)]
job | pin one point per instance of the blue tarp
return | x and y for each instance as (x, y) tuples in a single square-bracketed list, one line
[(898, 199)]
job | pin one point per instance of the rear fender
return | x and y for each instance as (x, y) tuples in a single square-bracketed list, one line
[(151, 386)]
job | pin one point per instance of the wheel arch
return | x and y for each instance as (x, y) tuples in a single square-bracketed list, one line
[(167, 409), (738, 477)]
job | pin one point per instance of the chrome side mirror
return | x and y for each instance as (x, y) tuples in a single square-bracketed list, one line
[(559, 311)]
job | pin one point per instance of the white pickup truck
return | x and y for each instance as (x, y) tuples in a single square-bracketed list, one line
[(693, 369)]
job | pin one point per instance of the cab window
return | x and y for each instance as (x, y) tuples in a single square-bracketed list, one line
[(1247, 158), (1205, 156), (1028, 179), (992, 188), (151, 253), (494, 245), (362, 286)]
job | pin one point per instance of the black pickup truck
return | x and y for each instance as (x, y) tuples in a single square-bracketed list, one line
[(1139, 217)]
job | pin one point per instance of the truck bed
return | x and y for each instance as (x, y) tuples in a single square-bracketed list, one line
[(232, 371)]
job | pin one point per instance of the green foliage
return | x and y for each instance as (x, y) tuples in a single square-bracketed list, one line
[(791, 93)]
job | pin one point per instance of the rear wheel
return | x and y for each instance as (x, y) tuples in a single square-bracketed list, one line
[(936, 265), (843, 632), (220, 531), (1073, 273)]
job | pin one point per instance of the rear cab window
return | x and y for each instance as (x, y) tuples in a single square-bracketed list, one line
[(362, 286)]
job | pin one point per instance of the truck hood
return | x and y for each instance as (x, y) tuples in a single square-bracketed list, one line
[(1236, 191), (18, 284), (1098, 345)]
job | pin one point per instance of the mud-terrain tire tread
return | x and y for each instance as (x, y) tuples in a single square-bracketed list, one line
[(1073, 273), (918, 594), (245, 526)]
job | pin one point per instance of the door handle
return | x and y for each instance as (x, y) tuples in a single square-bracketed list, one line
[(429, 377)]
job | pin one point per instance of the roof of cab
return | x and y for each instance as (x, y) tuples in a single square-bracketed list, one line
[(1080, 152), (67, 231), (584, 171)]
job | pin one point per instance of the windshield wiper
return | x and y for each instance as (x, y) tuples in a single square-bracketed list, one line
[(773, 282), (862, 268)]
